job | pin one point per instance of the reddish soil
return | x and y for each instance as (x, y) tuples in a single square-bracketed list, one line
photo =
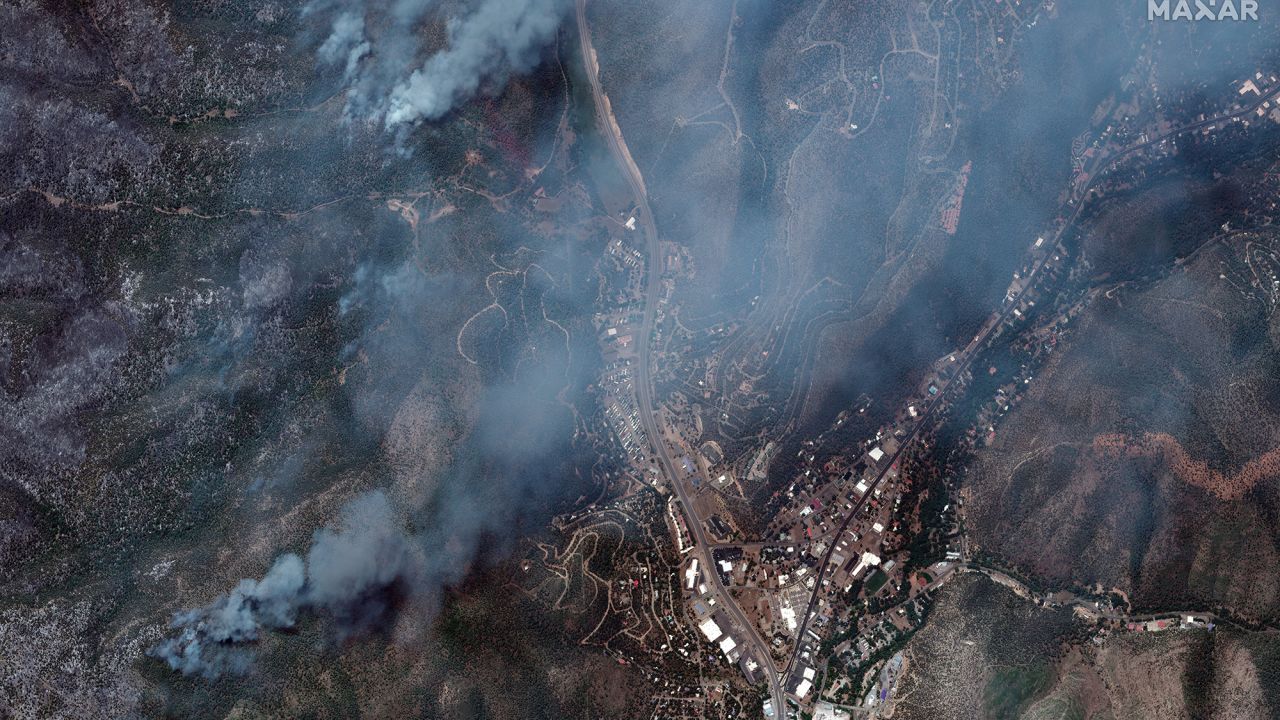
[(1226, 486)]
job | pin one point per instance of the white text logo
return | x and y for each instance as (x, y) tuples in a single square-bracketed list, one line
[(1202, 10)]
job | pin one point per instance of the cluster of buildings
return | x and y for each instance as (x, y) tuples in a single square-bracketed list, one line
[(712, 622), (1263, 87), (622, 269), (1182, 622), (836, 534), (1253, 102)]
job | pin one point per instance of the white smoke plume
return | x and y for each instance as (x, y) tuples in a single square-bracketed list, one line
[(351, 574), (499, 38), (346, 44), (384, 76), (207, 642)]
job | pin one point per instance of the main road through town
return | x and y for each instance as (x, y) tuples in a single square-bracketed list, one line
[(967, 355), (612, 134)]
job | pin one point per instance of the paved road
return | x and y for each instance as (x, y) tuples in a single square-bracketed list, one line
[(1105, 164), (971, 350), (644, 388), (644, 374), (963, 360), (1070, 599)]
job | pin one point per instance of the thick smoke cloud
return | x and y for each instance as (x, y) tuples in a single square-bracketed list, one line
[(356, 573), (497, 39), (207, 642), (384, 76), (352, 573), (370, 65), (346, 44), (361, 571)]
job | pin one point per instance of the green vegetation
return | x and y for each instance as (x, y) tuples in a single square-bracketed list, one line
[(1011, 690), (1198, 676), (875, 581)]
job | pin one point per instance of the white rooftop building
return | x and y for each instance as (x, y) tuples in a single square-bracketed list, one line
[(691, 574), (868, 559), (727, 645)]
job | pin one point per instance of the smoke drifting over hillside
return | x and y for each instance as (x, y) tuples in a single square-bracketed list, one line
[(207, 644), (499, 38), (350, 573), (357, 572), (385, 77)]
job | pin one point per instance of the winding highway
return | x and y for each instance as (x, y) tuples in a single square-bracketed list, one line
[(612, 133)]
